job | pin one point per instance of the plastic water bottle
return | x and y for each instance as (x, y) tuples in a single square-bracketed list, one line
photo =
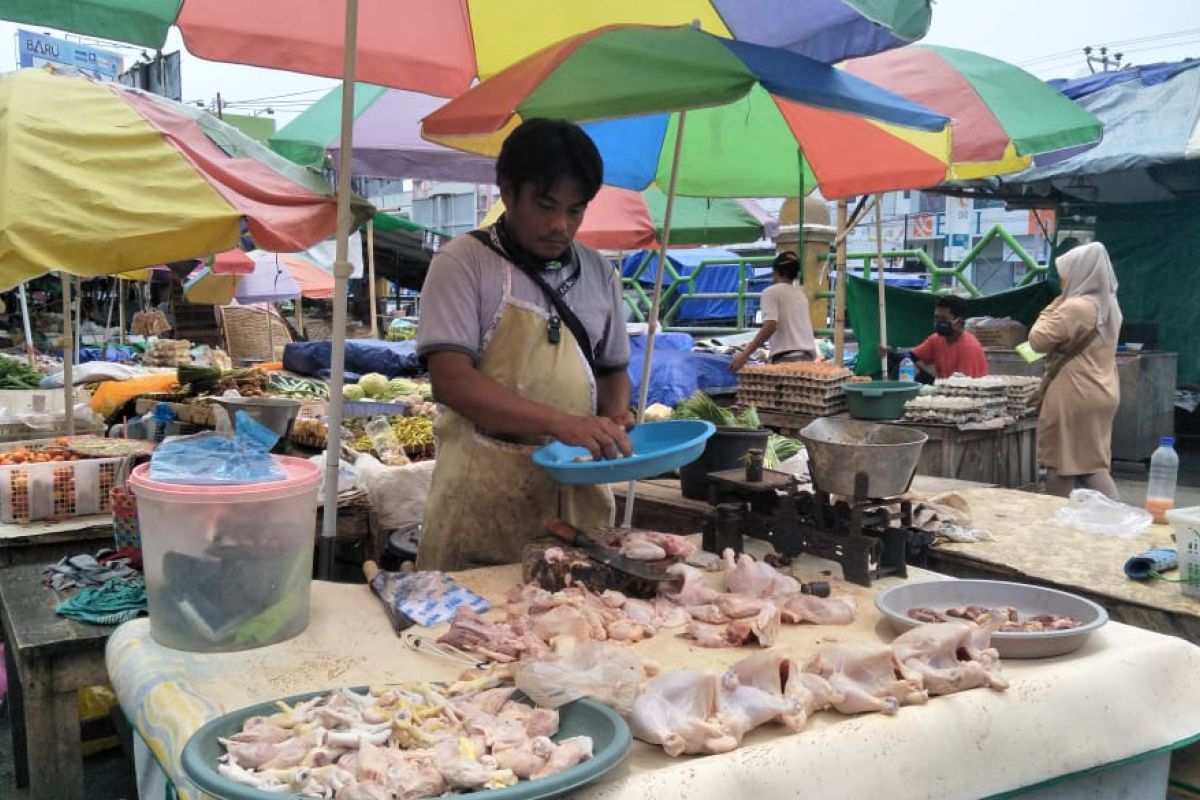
[(908, 370), (1164, 469)]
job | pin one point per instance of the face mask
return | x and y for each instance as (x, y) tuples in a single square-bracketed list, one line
[(943, 328)]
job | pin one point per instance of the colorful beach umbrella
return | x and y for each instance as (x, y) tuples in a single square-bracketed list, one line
[(99, 179), (387, 138), (1002, 115), (272, 277), (442, 46), (761, 122), (622, 219)]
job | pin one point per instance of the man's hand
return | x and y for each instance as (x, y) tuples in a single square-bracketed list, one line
[(884, 351), (603, 437), (739, 361), (625, 418)]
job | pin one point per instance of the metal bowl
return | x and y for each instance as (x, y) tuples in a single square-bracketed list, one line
[(1027, 599), (839, 449), (276, 413)]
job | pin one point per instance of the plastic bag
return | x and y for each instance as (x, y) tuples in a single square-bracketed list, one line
[(608, 673), (427, 598), (1092, 512), (398, 494), (213, 458)]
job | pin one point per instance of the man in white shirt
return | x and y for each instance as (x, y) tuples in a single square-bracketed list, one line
[(785, 317)]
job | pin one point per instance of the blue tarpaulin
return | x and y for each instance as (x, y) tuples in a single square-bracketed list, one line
[(718, 277), (676, 372), (393, 359)]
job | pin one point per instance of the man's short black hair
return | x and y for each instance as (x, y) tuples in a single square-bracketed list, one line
[(541, 151), (954, 304), (787, 264)]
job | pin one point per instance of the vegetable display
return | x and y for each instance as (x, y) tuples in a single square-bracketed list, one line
[(16, 374), (701, 406)]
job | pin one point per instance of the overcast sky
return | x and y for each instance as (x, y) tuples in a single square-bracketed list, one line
[(1044, 36)]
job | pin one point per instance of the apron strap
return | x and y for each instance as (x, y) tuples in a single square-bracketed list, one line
[(569, 318)]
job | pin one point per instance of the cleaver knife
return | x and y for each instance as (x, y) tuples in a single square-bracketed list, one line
[(400, 621), (568, 533)]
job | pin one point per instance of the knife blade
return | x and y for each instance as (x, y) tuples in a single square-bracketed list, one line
[(400, 621), (568, 533)]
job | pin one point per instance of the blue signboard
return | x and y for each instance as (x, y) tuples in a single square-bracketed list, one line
[(37, 50)]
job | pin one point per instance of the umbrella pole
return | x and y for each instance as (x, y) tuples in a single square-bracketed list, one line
[(270, 333), (371, 278), (882, 296), (652, 326), (28, 328), (68, 372), (78, 322), (341, 274), (839, 291), (121, 310), (300, 314)]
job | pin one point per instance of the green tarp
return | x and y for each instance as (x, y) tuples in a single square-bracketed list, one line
[(910, 314), (1155, 250)]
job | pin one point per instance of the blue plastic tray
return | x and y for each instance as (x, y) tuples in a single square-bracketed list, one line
[(658, 447), (611, 740)]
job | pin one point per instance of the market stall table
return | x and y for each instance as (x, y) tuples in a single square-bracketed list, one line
[(44, 541), (1003, 456), (49, 658), (1056, 720)]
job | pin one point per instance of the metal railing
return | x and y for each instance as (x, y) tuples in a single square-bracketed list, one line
[(679, 288)]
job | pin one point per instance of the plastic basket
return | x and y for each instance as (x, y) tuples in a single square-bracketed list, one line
[(126, 532), (58, 489)]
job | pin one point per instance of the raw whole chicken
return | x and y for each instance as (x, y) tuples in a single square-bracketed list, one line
[(761, 629), (745, 576), (693, 589), (636, 543), (867, 677), (818, 610), (947, 657), (678, 711)]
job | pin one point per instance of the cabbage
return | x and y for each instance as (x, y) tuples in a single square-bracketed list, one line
[(402, 386), (353, 392), (426, 391), (373, 384)]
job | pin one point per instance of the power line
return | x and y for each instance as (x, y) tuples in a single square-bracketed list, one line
[(1061, 54)]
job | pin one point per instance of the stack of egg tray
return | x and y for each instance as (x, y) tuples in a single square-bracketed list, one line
[(1022, 395), (795, 388), (950, 410)]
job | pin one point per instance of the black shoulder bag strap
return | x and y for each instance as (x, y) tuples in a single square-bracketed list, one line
[(556, 298)]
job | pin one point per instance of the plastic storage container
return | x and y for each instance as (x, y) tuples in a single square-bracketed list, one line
[(228, 567), (1186, 522), (879, 399), (1164, 471)]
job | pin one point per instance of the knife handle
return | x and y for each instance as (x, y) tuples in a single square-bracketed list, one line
[(561, 529), (370, 570)]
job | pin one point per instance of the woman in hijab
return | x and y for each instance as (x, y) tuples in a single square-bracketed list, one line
[(1078, 332)]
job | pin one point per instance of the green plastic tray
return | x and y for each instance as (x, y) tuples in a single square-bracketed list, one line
[(611, 740), (879, 399)]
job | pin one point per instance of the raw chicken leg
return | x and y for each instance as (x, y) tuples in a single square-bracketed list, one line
[(947, 657), (693, 590), (744, 575), (743, 707), (811, 692), (818, 610), (565, 755), (706, 635), (677, 710), (866, 677)]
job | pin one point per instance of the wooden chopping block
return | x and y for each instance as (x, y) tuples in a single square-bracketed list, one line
[(577, 569)]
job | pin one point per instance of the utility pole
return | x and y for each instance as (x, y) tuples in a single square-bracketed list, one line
[(1103, 60), (220, 110)]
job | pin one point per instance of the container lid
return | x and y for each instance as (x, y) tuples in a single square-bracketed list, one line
[(301, 474), (1166, 441)]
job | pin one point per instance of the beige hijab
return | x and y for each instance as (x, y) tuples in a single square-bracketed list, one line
[(1087, 272)]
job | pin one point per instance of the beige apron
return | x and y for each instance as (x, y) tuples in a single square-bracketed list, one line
[(488, 498)]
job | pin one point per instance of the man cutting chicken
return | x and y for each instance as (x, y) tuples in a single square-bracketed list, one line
[(523, 334)]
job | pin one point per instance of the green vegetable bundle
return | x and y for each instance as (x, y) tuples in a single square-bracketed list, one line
[(701, 406), (18, 375)]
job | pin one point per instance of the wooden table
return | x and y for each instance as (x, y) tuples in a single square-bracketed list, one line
[(999, 456), (49, 658), (43, 542)]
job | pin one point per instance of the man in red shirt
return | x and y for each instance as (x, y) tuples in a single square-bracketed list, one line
[(950, 349)]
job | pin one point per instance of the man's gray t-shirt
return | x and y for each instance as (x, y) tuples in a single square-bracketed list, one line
[(464, 290)]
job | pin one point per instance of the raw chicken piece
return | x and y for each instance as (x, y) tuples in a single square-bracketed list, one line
[(762, 628), (258, 729), (668, 614), (363, 790), (694, 589), (866, 676), (641, 611), (469, 631), (456, 759), (743, 707), (708, 612), (677, 710), (565, 755), (626, 630), (818, 610), (949, 657), (525, 758), (923, 614), (562, 621), (736, 606), (745, 576), (641, 549), (613, 599), (706, 635)]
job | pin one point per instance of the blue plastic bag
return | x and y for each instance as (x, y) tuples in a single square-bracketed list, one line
[(212, 458)]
